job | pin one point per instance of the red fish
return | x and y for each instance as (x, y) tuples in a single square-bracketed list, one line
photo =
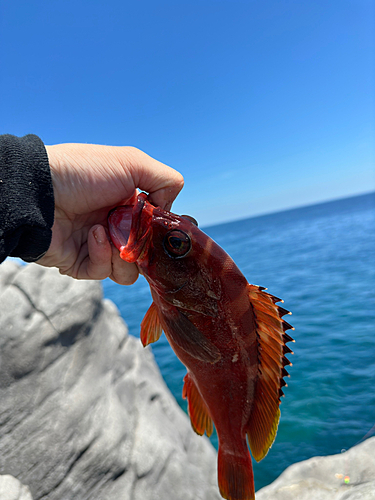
[(229, 334)]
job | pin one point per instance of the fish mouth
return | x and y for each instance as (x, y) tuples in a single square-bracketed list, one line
[(120, 223), (126, 223)]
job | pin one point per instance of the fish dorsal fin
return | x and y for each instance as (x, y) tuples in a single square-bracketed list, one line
[(186, 335), (198, 412), (151, 328), (271, 337)]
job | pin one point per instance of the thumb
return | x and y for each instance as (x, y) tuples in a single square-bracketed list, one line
[(163, 183)]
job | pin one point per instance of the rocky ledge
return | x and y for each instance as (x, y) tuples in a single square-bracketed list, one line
[(84, 411), (346, 476)]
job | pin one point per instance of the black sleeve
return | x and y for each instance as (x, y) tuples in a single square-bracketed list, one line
[(26, 198)]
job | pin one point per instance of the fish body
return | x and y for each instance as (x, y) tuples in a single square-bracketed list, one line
[(229, 334)]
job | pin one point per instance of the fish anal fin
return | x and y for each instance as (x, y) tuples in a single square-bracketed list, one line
[(199, 415), (265, 414), (151, 328)]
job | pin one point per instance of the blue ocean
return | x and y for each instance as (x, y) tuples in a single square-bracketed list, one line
[(321, 260)]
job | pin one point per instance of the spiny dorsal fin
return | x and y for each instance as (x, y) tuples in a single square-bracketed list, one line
[(198, 412), (265, 415), (150, 327)]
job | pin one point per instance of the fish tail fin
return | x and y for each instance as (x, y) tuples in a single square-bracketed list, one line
[(235, 475)]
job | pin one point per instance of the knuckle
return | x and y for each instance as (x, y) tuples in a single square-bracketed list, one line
[(180, 181)]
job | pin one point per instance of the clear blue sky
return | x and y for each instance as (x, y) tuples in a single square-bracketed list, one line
[(262, 105)]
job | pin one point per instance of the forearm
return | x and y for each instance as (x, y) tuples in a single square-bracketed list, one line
[(26, 198)]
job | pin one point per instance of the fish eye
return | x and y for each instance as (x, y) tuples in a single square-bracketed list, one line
[(176, 243)]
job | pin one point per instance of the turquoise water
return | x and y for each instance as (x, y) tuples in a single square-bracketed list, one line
[(321, 261)]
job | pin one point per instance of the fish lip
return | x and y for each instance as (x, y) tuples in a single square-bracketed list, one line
[(132, 250)]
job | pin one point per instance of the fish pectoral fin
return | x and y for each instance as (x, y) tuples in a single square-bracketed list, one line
[(198, 412), (272, 339), (187, 336), (151, 328)]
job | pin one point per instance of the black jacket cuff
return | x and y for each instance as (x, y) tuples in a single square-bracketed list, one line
[(26, 198)]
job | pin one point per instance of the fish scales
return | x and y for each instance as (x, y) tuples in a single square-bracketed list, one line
[(229, 334)]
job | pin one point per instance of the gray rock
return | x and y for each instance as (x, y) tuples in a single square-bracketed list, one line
[(323, 478), (12, 489), (84, 411)]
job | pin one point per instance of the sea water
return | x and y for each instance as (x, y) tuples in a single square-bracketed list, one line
[(321, 260)]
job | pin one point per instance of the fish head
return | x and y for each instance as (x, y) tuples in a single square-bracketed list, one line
[(170, 251)]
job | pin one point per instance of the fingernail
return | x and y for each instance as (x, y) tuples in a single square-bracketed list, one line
[(99, 235)]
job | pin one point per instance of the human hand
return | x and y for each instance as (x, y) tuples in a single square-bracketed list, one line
[(88, 181)]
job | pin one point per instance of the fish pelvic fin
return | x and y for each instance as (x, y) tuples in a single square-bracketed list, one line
[(151, 328), (235, 475), (272, 339), (199, 415)]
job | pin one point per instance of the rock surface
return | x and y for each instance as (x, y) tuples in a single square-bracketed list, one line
[(84, 411), (323, 478), (12, 489)]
